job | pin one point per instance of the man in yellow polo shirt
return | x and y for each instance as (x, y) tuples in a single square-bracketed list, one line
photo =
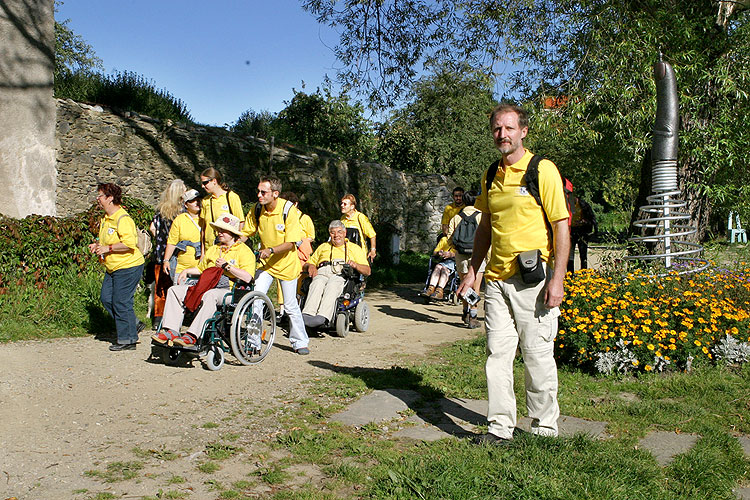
[(325, 266), (518, 311), (279, 235), (452, 209)]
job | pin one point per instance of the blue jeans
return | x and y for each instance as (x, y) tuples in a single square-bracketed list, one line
[(118, 291)]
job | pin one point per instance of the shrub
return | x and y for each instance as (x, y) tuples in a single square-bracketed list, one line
[(127, 91), (38, 248), (639, 323)]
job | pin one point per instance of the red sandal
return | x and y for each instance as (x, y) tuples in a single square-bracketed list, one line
[(164, 336), (186, 340)]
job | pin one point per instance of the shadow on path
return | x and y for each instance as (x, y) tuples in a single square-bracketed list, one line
[(408, 391)]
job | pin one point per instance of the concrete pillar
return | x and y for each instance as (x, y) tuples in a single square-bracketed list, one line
[(28, 173)]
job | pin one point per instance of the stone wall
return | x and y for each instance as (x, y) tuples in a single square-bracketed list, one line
[(143, 155), (27, 108)]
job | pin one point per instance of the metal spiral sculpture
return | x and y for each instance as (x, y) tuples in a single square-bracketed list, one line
[(662, 219)]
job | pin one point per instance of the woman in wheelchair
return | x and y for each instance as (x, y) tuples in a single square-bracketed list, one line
[(237, 262), (325, 267)]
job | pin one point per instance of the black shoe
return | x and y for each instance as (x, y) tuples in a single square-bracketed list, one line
[(491, 439), (140, 327), (122, 347)]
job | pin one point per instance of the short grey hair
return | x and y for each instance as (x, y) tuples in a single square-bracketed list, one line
[(335, 224)]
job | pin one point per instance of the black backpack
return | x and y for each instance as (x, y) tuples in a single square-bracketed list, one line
[(463, 235), (354, 234)]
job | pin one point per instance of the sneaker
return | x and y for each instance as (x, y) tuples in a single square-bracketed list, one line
[(438, 293), (473, 323), (164, 336), (185, 340), (140, 327), (430, 290), (490, 440), (304, 351)]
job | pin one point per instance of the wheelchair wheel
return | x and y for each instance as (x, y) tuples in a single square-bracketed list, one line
[(342, 325), (361, 316), (253, 328), (215, 358), (173, 357)]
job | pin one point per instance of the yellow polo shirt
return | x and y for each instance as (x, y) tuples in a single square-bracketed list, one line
[(274, 231), (238, 255), (346, 252), (445, 244), (120, 228), (184, 227), (517, 220), (361, 222), (450, 212), (308, 228), (214, 207)]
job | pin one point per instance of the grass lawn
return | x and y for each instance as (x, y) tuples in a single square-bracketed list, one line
[(712, 401)]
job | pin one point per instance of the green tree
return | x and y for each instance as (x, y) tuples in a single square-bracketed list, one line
[(256, 123), (441, 122), (72, 53), (597, 55), (327, 121)]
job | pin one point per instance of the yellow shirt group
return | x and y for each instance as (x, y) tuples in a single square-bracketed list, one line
[(185, 227), (346, 252), (214, 207), (273, 231), (120, 228), (517, 220), (360, 221)]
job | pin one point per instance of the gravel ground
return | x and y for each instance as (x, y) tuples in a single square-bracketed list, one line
[(69, 406)]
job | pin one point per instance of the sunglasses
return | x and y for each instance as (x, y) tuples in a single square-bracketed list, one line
[(206, 182)]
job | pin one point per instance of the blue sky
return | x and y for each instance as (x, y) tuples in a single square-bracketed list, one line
[(221, 58)]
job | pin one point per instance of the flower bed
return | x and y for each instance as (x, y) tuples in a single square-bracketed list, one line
[(632, 322)]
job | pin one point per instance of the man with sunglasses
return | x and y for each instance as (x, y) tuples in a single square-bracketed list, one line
[(279, 235)]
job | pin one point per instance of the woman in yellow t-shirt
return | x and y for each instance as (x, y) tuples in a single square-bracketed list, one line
[(118, 251), (184, 239), (220, 200), (237, 262)]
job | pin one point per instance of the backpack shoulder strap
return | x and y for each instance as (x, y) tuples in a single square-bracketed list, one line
[(462, 215), (229, 203), (256, 213), (287, 206), (532, 178), (491, 173), (474, 215)]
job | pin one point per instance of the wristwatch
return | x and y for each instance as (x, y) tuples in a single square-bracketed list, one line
[(271, 250)]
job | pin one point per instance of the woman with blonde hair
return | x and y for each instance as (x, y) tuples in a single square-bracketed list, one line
[(220, 200), (169, 207)]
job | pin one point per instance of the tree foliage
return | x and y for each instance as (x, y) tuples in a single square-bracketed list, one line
[(320, 119), (72, 53), (438, 130), (595, 54)]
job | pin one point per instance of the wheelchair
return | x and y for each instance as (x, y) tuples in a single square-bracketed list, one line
[(244, 323), (351, 307), (449, 292)]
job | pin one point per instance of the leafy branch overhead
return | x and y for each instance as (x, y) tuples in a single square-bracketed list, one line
[(594, 58)]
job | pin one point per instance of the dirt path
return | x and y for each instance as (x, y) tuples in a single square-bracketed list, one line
[(69, 406)]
